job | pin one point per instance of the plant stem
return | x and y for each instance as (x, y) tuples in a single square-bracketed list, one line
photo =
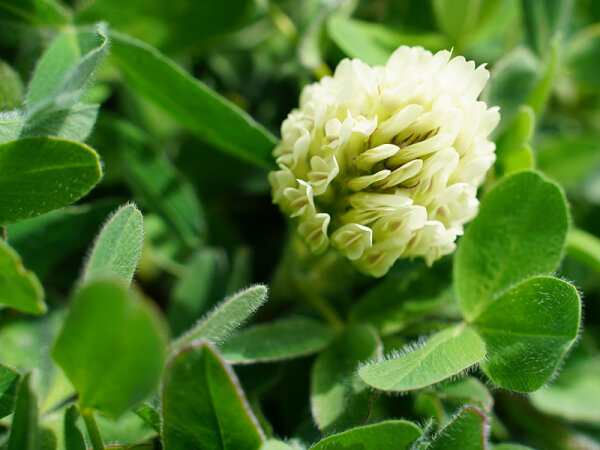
[(93, 430), (584, 247), (312, 279), (3, 233), (326, 311)]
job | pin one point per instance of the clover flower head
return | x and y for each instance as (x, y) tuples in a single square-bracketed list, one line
[(384, 162)]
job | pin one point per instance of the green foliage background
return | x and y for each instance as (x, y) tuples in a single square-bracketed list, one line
[(127, 323)]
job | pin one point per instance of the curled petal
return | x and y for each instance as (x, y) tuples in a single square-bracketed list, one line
[(322, 172), (300, 199), (395, 124), (366, 200), (374, 155), (281, 180), (432, 242), (378, 259), (400, 226), (314, 232), (401, 174), (360, 183), (352, 239), (366, 216), (420, 149)]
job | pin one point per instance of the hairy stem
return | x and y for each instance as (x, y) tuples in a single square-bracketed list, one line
[(93, 430)]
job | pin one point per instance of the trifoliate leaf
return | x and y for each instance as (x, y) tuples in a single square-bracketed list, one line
[(520, 232)]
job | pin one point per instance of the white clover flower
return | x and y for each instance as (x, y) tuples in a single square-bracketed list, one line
[(384, 162)]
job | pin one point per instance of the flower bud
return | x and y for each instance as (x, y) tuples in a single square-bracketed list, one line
[(384, 162)]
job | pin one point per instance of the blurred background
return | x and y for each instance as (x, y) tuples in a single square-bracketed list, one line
[(210, 226)]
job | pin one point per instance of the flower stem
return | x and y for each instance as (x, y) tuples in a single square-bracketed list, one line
[(310, 278), (326, 311), (93, 430)]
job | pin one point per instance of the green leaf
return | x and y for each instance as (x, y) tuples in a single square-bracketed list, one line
[(34, 12), (40, 174), (273, 341), (513, 79), (469, 390), (150, 416), (512, 146), (440, 403), (568, 157), (11, 124), (543, 19), (530, 326), (65, 70), (240, 272), (24, 431), (111, 347), (540, 95), (98, 93), (129, 430), (520, 232), (118, 247), (582, 58), (396, 434), (521, 78), (429, 406), (25, 347), (373, 43), (225, 318), (575, 394), (75, 123), (9, 380), (401, 300), (520, 159), (191, 103), (274, 444), (19, 288), (178, 26), (466, 430), (73, 436), (162, 250), (158, 184), (11, 87), (339, 399), (509, 446), (48, 439), (310, 42), (465, 20), (48, 241), (445, 354), (584, 247), (195, 289), (203, 405)]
